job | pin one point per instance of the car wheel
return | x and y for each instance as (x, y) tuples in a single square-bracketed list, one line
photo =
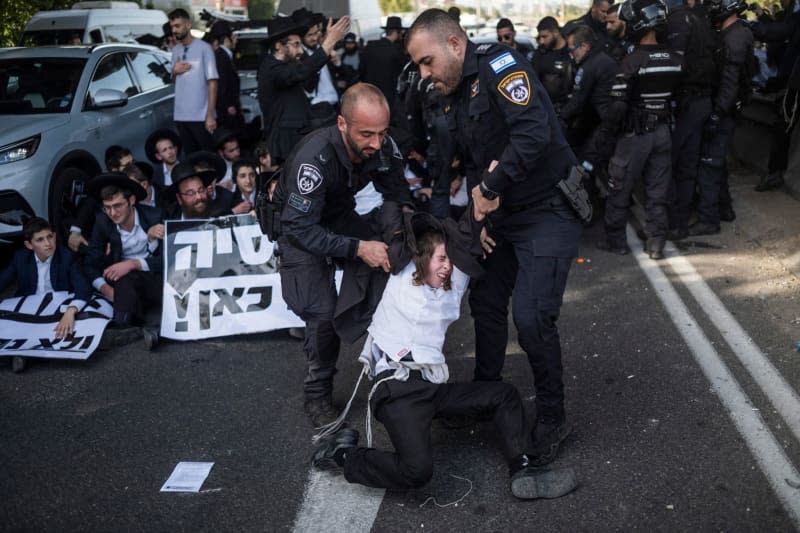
[(65, 193)]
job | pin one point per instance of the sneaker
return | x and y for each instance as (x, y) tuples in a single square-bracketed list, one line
[(330, 454), (320, 411), (701, 228), (531, 482), (150, 338), (547, 439), (613, 248)]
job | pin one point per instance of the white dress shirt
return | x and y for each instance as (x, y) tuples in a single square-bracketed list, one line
[(134, 246), (43, 283)]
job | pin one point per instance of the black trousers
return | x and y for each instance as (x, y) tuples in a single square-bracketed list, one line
[(136, 293), (407, 409), (532, 259), (687, 139), (194, 137), (712, 177)]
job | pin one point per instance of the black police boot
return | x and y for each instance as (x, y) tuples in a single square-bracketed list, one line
[(547, 439), (726, 213), (702, 228), (320, 411), (677, 234), (655, 248), (330, 454), (151, 338), (619, 249), (769, 182), (532, 482)]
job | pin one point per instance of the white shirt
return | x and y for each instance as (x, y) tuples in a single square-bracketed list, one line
[(167, 174), (411, 321), (228, 172), (191, 87), (368, 199), (326, 92), (43, 283), (134, 246)]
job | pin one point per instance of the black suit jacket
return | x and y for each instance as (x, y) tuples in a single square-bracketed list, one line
[(227, 89), (65, 274), (284, 105), (105, 232), (381, 63)]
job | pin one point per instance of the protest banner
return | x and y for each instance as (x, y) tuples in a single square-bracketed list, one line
[(27, 326), (221, 278)]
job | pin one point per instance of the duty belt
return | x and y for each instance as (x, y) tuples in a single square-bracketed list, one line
[(554, 201)]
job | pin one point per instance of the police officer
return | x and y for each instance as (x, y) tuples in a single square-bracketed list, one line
[(507, 35), (503, 123), (591, 93), (618, 45), (690, 35), (319, 224), (733, 60), (644, 87), (595, 19), (552, 62)]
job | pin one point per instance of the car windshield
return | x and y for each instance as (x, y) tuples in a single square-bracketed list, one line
[(38, 85), (249, 53)]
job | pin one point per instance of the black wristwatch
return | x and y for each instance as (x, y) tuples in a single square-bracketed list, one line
[(487, 193)]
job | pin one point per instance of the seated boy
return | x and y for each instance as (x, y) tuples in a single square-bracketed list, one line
[(403, 355), (45, 267)]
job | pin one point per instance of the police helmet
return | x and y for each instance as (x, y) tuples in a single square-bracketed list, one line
[(642, 16), (722, 9)]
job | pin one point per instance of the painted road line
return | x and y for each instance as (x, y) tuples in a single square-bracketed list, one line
[(782, 396), (766, 450), (333, 505)]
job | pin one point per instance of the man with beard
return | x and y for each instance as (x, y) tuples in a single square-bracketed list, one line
[(320, 225), (618, 45), (504, 125), (594, 19), (285, 108), (191, 191), (552, 63), (350, 54), (507, 35), (195, 74)]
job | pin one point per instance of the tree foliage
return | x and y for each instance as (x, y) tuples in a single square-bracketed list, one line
[(260, 9), (396, 6), (15, 13)]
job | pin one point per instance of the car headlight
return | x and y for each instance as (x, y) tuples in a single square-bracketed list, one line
[(19, 150)]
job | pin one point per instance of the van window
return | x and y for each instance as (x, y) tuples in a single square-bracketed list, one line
[(38, 85), (51, 37), (112, 73), (249, 53), (151, 73), (97, 36)]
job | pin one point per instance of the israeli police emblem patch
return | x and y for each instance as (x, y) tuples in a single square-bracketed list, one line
[(308, 178), (516, 88)]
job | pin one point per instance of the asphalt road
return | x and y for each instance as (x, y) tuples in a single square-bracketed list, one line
[(659, 444)]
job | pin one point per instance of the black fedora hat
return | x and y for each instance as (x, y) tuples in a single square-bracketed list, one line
[(208, 161), (146, 168), (220, 28), (280, 27), (115, 179), (185, 170), (221, 136), (394, 23), (160, 135)]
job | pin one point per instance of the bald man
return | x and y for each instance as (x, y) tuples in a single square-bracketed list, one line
[(319, 224)]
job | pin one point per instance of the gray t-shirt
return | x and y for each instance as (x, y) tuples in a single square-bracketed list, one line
[(191, 87)]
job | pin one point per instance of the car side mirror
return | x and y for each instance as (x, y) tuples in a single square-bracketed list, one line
[(107, 98)]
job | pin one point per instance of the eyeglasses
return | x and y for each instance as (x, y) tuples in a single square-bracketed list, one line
[(573, 48), (114, 207), (294, 44), (505, 37), (192, 194), (185, 51)]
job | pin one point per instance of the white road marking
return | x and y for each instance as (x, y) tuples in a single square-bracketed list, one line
[(332, 505), (777, 389), (766, 450)]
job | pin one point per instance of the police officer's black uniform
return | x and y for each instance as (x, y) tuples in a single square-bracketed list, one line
[(619, 48), (734, 57), (319, 224), (690, 35), (555, 70), (500, 111), (644, 87)]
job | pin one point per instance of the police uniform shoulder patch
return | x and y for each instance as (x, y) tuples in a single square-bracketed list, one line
[(308, 178), (502, 62), (516, 88)]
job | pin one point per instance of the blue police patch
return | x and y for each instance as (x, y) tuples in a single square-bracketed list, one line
[(298, 202), (502, 62)]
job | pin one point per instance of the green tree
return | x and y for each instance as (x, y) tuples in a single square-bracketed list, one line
[(396, 6), (260, 9), (15, 13)]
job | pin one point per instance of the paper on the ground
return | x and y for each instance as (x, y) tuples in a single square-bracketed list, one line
[(187, 477)]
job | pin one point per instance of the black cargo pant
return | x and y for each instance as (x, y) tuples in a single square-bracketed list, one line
[(534, 253), (687, 139), (712, 177), (648, 156), (407, 408)]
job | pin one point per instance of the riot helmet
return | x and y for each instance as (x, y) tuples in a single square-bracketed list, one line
[(642, 16), (719, 10)]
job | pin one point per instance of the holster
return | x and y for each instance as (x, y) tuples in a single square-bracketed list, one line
[(575, 193), (269, 207)]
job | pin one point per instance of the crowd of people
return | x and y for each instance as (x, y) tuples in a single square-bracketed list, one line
[(386, 160)]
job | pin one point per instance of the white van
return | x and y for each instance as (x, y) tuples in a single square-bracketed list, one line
[(91, 23)]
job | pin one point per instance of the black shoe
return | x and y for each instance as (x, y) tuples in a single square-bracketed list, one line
[(701, 228), (297, 333), (655, 248), (320, 411), (532, 482), (18, 364), (726, 213), (547, 439), (677, 234), (151, 338), (330, 454), (613, 248), (115, 336), (770, 182)]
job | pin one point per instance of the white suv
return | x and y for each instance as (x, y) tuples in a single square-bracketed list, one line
[(60, 108)]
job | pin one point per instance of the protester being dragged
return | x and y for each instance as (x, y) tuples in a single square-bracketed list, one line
[(124, 259), (41, 267)]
